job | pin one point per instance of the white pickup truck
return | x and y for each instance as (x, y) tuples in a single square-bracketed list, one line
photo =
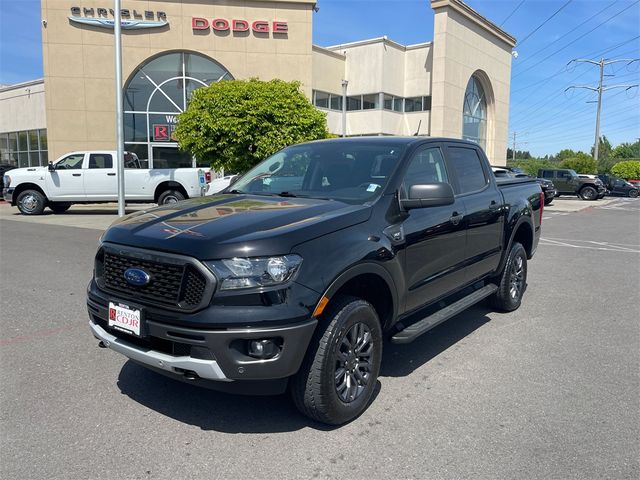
[(91, 177)]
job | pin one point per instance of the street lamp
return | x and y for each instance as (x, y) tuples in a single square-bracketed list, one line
[(117, 30)]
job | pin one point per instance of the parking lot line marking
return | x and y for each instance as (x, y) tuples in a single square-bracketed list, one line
[(633, 245), (609, 248), (40, 334)]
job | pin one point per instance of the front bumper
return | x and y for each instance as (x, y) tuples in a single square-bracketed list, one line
[(7, 194), (212, 353), (550, 193)]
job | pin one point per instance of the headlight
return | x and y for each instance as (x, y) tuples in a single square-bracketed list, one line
[(236, 273), (7, 181)]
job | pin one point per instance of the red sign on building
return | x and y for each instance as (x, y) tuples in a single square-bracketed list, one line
[(160, 132)]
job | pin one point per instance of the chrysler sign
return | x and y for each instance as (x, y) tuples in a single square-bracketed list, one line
[(131, 19), (224, 25)]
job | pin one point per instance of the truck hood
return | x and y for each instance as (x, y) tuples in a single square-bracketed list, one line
[(229, 225), (26, 172)]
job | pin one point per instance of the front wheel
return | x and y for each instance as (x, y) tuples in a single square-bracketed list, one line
[(548, 202), (588, 193), (31, 202), (339, 373), (513, 281), (170, 196), (59, 207), (633, 193)]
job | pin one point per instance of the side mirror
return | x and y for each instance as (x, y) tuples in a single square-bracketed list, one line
[(428, 195), (51, 167)]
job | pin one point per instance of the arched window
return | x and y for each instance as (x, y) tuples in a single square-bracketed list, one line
[(474, 114), (155, 95)]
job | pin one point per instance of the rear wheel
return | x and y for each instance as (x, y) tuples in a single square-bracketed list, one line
[(339, 373), (59, 207), (513, 281), (31, 202), (588, 193), (170, 196)]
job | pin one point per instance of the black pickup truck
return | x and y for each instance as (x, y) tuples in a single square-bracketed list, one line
[(294, 275)]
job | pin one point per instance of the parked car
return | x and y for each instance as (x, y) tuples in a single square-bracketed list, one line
[(619, 187), (567, 182), (91, 177), (547, 186), (4, 168), (294, 274), (595, 179), (219, 184)]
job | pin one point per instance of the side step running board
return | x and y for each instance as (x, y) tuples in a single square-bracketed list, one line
[(414, 330)]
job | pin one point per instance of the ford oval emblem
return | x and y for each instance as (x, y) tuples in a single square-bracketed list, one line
[(136, 277)]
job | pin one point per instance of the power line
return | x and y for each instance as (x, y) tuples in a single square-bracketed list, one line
[(512, 12), (580, 37), (569, 32), (543, 23)]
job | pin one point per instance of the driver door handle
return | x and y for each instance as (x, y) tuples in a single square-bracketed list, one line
[(76, 174), (494, 205), (455, 218), (111, 174)]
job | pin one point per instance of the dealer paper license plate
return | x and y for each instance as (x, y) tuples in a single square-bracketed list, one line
[(125, 319)]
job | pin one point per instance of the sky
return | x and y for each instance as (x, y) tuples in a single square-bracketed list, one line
[(544, 117)]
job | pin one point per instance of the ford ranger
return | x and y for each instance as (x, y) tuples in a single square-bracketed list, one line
[(91, 177), (294, 275)]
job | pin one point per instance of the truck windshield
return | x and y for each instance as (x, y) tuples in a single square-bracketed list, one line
[(353, 172)]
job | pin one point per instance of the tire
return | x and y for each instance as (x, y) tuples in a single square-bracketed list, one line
[(170, 196), (315, 390), (548, 202), (633, 193), (588, 193), (31, 202), (59, 207), (513, 281)]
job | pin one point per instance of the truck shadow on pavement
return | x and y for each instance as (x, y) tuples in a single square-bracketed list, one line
[(224, 412)]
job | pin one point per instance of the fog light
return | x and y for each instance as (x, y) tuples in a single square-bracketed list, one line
[(263, 349)]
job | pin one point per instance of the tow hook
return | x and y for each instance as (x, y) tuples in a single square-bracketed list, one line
[(101, 344)]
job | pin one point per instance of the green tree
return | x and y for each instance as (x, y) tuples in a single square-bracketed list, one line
[(235, 124), (564, 154), (627, 150), (581, 163), (604, 149), (605, 164), (627, 169), (532, 166)]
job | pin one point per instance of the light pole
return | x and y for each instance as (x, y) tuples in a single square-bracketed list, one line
[(117, 30), (345, 83)]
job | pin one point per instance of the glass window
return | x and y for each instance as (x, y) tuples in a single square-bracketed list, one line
[(71, 162), (43, 139), (13, 142), (100, 160), (4, 142), (426, 103), (336, 102), (44, 158), (321, 99), (23, 159), (547, 174), (33, 140), (387, 102), (413, 104), (22, 141), (370, 102), (135, 127), (474, 115), (467, 166), (140, 156), (354, 103), (168, 157), (427, 166), (398, 104)]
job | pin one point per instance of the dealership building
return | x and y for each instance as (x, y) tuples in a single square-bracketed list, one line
[(456, 85)]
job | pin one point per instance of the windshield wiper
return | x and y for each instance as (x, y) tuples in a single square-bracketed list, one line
[(287, 194), (235, 191)]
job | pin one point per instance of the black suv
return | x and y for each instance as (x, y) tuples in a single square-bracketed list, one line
[(619, 187), (295, 274)]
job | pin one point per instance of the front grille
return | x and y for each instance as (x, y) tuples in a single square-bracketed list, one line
[(175, 283)]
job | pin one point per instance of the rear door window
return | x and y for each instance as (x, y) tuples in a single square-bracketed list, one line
[(100, 160), (466, 165), (427, 166)]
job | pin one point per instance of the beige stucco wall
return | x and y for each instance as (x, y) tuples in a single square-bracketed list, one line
[(464, 44), (79, 62), (22, 107)]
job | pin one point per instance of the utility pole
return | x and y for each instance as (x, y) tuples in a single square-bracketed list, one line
[(117, 28), (513, 150), (601, 88)]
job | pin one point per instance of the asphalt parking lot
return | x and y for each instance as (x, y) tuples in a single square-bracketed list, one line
[(549, 391)]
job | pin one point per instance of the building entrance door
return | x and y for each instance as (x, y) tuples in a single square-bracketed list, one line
[(167, 155)]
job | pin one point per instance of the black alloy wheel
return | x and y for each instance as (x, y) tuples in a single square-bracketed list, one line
[(588, 193), (338, 376), (513, 281)]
